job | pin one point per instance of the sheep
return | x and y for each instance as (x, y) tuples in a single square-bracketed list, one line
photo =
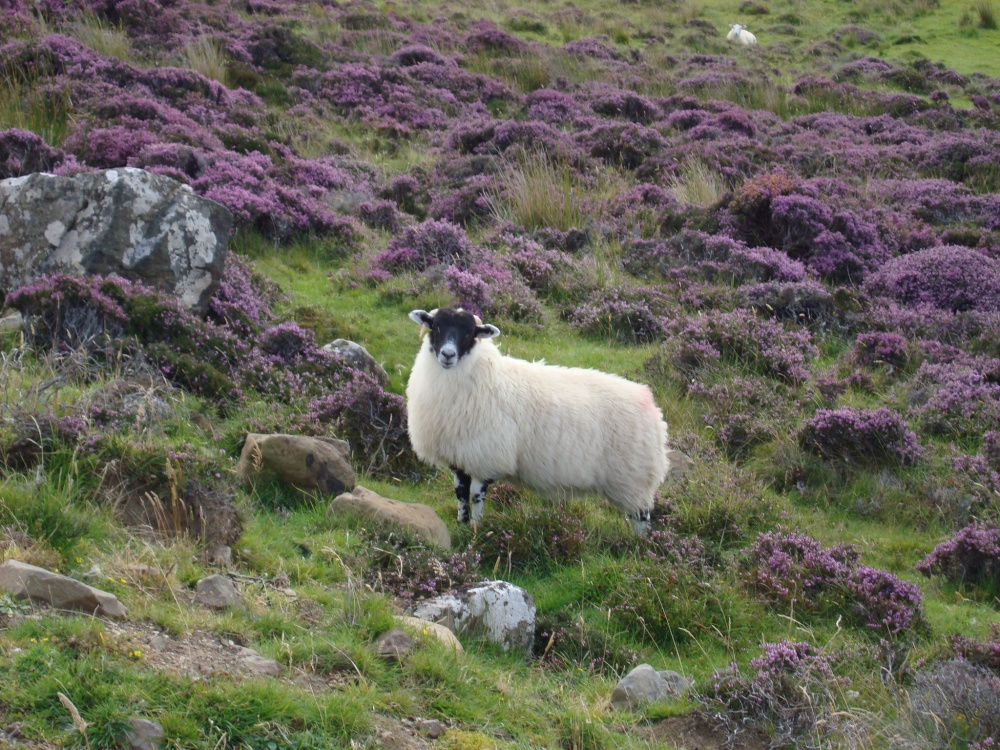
[(738, 33), (559, 430)]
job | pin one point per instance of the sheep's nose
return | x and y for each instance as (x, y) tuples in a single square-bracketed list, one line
[(447, 356)]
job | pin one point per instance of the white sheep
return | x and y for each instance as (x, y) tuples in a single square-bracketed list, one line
[(487, 416), (740, 34)]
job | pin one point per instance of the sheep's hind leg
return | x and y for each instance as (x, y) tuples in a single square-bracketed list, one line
[(463, 482), (478, 490), (640, 522)]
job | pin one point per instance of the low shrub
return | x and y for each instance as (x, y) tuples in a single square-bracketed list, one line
[(866, 437), (793, 569), (789, 691), (523, 537), (411, 571), (948, 277), (954, 704), (971, 556)]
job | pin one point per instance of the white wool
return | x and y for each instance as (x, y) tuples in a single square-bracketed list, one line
[(555, 429), (739, 34)]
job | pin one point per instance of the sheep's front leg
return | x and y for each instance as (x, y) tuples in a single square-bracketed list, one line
[(463, 483), (478, 489)]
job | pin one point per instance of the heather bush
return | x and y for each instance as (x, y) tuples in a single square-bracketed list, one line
[(371, 419), (982, 653), (792, 569), (523, 537), (790, 692), (563, 641), (971, 556), (410, 571), (959, 399), (22, 152), (428, 244), (879, 348), (947, 277), (860, 437), (954, 704), (626, 315), (744, 339), (743, 413)]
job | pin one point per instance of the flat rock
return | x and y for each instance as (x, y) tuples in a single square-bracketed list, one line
[(416, 518), (645, 685), (311, 464), (24, 581), (217, 592), (254, 663), (127, 222)]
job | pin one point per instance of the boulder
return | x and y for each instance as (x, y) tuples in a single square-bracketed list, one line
[(23, 581), (217, 592), (646, 685), (433, 629), (357, 357), (311, 464), (498, 611), (416, 518), (127, 222)]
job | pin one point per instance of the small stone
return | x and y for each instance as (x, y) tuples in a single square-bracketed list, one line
[(645, 685), (430, 728), (219, 554), (217, 592), (259, 665), (144, 734), (433, 629), (393, 645)]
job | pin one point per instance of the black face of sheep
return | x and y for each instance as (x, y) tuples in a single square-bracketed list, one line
[(453, 333)]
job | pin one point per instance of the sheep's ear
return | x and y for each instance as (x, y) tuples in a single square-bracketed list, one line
[(487, 331), (422, 317)]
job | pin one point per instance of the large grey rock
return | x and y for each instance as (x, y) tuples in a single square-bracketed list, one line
[(416, 518), (646, 685), (357, 357), (144, 734), (217, 592), (128, 222), (498, 611), (24, 581), (311, 464)]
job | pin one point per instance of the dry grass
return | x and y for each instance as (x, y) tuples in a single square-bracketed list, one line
[(102, 37), (540, 193), (206, 56), (698, 184), (987, 14)]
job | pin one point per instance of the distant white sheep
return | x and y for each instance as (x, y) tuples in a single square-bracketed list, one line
[(739, 34), (486, 416)]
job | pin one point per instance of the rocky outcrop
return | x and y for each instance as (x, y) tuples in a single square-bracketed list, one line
[(311, 464), (23, 581), (416, 518), (498, 611), (357, 357), (127, 222)]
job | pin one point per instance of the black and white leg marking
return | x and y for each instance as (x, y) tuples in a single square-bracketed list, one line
[(640, 522), (463, 482), (478, 492)]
